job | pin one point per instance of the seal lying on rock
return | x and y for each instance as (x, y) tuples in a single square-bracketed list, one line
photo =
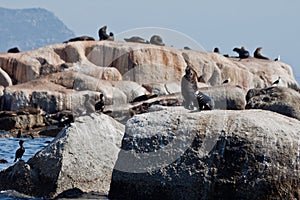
[(136, 39), (157, 40), (13, 50), (81, 38), (243, 53)]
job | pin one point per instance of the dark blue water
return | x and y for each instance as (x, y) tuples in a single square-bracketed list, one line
[(8, 147)]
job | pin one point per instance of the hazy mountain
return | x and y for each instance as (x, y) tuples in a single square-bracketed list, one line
[(30, 29)]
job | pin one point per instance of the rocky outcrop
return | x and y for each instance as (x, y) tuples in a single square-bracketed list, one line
[(72, 75), (145, 64), (21, 121), (82, 156), (226, 97), (282, 100), (5, 80), (178, 154)]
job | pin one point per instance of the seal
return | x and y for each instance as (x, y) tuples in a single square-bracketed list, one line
[(157, 40), (137, 39), (20, 151), (111, 37), (188, 88), (13, 50), (81, 38), (243, 53), (216, 50), (257, 54), (204, 101), (103, 35)]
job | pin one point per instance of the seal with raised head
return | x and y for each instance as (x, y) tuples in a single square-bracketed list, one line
[(136, 39), (257, 54), (103, 35), (188, 88), (157, 40), (243, 53)]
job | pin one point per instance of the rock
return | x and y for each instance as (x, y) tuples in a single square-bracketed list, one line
[(24, 122), (3, 161), (178, 154), (5, 80), (1, 91), (131, 89), (282, 100), (82, 156), (60, 91), (144, 64), (226, 97)]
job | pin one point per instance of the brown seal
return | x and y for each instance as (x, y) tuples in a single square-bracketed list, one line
[(136, 39), (81, 38), (257, 54), (189, 87), (103, 35), (157, 40)]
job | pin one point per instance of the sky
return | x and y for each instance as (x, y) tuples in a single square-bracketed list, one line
[(271, 24)]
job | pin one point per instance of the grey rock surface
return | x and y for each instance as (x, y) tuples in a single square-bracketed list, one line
[(178, 154), (82, 156)]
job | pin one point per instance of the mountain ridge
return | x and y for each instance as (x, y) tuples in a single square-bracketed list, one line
[(30, 28)]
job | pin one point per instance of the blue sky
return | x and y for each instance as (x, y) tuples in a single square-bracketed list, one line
[(274, 25)]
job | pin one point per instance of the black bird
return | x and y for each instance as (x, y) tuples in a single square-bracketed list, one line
[(277, 81), (19, 135), (20, 151), (99, 106)]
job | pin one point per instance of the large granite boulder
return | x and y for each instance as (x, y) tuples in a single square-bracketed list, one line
[(81, 157), (282, 100), (178, 154), (226, 97)]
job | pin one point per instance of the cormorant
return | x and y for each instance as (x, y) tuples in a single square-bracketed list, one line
[(20, 151), (19, 135), (99, 106)]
